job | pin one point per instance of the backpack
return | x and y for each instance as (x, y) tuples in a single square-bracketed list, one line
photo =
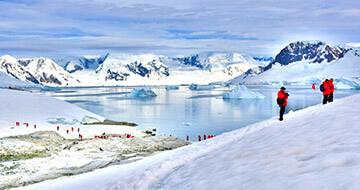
[(280, 101), (322, 88)]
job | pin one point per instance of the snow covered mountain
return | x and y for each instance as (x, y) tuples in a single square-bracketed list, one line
[(47, 72), (87, 62), (216, 61), (139, 69), (12, 67), (37, 71), (306, 63)]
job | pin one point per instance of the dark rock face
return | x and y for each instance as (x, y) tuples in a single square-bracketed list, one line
[(314, 52), (263, 58), (116, 76), (317, 52), (93, 63), (144, 71), (138, 68), (192, 61), (16, 71), (74, 69), (50, 79)]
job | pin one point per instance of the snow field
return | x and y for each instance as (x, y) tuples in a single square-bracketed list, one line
[(314, 148)]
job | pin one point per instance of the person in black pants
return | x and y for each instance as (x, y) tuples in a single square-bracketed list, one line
[(282, 101)]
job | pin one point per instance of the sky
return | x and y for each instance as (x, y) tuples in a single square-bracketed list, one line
[(171, 27)]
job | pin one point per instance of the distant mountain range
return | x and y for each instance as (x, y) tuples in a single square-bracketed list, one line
[(300, 62), (127, 69)]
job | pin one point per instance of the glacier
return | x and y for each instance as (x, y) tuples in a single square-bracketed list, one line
[(242, 92)]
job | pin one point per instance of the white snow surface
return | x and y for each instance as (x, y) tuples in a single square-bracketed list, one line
[(314, 148), (7, 81), (242, 92), (37, 109)]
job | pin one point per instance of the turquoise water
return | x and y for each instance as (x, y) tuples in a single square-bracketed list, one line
[(184, 112)]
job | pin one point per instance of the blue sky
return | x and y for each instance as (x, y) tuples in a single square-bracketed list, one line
[(171, 27)]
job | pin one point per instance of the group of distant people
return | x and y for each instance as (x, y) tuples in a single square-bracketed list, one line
[(327, 88)]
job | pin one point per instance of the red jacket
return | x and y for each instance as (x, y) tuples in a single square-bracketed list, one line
[(283, 95), (327, 90), (331, 86)]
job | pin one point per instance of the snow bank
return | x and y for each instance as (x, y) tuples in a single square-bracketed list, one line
[(201, 87), (242, 92), (47, 113), (305, 151), (141, 92)]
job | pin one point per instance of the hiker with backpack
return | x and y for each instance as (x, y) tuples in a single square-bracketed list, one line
[(282, 101), (332, 89), (325, 89)]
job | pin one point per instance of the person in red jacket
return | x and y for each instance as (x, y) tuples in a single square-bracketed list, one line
[(331, 90), (325, 90), (282, 101)]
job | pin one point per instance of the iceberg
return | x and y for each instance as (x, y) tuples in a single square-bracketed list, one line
[(346, 84), (201, 87), (141, 92), (242, 92), (172, 87)]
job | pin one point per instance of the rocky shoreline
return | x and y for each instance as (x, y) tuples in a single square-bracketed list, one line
[(44, 155)]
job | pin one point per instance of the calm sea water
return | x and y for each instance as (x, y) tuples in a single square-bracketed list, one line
[(184, 112)]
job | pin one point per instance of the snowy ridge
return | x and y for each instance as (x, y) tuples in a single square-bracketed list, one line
[(302, 152), (47, 72), (151, 69), (11, 66), (306, 63), (37, 71)]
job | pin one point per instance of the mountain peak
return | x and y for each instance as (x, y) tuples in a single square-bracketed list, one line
[(312, 51)]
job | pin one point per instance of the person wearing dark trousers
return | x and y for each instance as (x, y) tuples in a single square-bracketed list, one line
[(331, 90), (282, 101), (325, 89)]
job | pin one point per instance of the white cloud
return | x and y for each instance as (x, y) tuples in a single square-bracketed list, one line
[(254, 27)]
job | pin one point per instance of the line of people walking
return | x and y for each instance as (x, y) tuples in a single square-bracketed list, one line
[(327, 88)]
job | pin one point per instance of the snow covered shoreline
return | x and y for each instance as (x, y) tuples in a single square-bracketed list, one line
[(314, 148), (45, 138)]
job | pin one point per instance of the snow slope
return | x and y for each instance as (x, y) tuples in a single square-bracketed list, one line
[(6, 81), (314, 148)]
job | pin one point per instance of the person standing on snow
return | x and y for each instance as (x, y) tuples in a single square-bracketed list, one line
[(325, 89), (332, 89), (282, 101), (313, 86)]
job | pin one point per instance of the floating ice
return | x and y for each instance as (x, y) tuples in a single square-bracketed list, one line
[(141, 92), (172, 87), (242, 92), (201, 87), (89, 120), (62, 121)]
